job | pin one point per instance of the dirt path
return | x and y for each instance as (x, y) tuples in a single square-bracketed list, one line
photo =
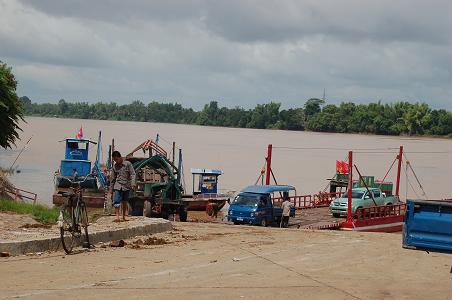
[(207, 261)]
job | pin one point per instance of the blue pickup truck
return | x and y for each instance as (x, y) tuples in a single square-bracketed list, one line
[(428, 225), (255, 205)]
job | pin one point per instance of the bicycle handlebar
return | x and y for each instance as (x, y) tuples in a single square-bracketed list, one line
[(77, 182)]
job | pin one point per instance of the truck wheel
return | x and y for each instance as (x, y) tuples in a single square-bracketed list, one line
[(264, 222), (236, 223), (183, 213), (147, 209), (336, 215)]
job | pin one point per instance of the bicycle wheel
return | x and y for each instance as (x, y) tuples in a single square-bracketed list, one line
[(67, 233), (84, 222)]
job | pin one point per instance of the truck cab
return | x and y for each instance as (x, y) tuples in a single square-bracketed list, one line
[(256, 205)]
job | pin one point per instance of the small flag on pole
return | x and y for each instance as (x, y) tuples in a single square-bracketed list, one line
[(342, 167), (345, 168), (79, 134)]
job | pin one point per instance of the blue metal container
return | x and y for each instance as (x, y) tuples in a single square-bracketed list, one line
[(428, 225)]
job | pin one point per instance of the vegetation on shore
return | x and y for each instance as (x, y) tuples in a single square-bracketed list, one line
[(39, 212), (400, 118), (11, 111)]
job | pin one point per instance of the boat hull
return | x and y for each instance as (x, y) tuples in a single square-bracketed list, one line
[(201, 205), (93, 201)]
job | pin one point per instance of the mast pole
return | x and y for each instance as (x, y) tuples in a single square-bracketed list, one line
[(269, 164)]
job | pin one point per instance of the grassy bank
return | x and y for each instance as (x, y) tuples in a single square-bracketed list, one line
[(40, 213)]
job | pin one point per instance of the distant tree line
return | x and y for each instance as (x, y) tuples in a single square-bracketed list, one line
[(400, 118)]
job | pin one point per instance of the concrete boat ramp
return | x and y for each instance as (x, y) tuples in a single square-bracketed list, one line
[(217, 261), (36, 239)]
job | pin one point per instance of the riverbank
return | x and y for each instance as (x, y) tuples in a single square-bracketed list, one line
[(206, 261), (40, 213)]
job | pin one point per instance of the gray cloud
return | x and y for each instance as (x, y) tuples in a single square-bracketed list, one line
[(237, 52)]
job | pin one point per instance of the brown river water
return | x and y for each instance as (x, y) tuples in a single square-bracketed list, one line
[(302, 159)]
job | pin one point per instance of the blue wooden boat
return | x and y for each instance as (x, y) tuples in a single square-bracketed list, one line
[(76, 165)]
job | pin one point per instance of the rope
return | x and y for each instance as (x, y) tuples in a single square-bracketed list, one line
[(20, 153), (359, 150), (262, 172), (332, 148), (390, 168), (169, 143), (415, 176), (409, 182)]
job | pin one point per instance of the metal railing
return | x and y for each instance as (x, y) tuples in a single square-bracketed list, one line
[(310, 201), (19, 194), (378, 212)]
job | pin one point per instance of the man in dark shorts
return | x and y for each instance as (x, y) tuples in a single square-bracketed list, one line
[(123, 180)]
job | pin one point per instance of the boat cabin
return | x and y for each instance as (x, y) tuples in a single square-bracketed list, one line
[(206, 179), (76, 158)]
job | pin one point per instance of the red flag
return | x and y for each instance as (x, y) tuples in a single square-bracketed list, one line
[(345, 167), (338, 167), (79, 134)]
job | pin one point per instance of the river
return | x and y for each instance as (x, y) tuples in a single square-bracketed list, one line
[(302, 159)]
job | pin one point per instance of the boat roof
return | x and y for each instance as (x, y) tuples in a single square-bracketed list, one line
[(73, 140), (363, 189), (206, 171), (265, 189)]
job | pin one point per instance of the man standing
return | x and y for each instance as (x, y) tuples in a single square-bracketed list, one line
[(286, 206), (123, 180)]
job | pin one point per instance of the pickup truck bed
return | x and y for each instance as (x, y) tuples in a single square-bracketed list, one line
[(428, 225)]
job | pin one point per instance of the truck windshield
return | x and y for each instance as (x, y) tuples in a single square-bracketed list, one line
[(246, 201), (355, 195)]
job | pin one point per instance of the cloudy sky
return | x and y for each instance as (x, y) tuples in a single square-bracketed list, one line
[(236, 52)]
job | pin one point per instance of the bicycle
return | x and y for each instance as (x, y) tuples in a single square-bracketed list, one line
[(73, 218)]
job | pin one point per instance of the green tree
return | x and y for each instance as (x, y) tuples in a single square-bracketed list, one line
[(11, 111), (313, 106), (62, 107), (265, 116), (416, 118), (292, 119), (209, 115)]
